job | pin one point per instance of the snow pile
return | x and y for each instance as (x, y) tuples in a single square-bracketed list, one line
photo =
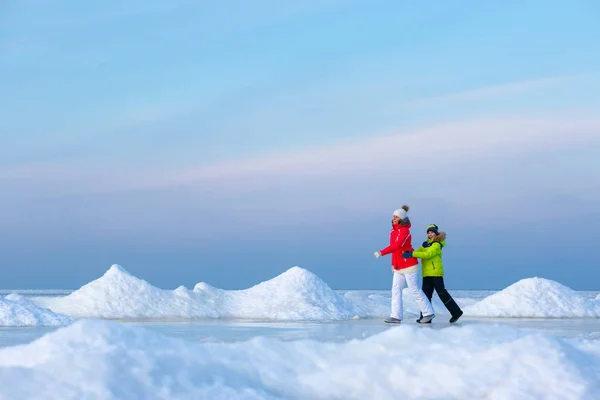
[(598, 296), (15, 310), (297, 294), (535, 298), (118, 294), (116, 361)]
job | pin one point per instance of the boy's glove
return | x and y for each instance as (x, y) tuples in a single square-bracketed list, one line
[(377, 254), (407, 254)]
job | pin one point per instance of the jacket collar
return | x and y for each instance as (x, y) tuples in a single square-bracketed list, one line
[(398, 226)]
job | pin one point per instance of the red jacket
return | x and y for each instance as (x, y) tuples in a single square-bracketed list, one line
[(400, 241)]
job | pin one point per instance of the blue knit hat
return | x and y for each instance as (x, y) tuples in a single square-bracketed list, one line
[(432, 228)]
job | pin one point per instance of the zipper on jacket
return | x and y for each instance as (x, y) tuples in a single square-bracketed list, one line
[(432, 263)]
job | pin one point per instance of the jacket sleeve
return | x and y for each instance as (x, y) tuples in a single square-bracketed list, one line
[(431, 251), (400, 241)]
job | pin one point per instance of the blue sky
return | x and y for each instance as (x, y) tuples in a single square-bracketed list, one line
[(228, 142)]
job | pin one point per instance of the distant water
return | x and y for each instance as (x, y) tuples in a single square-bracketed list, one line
[(464, 294), (471, 294), (36, 292)]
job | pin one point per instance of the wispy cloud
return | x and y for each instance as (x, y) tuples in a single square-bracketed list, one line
[(500, 90), (388, 154), (474, 138)]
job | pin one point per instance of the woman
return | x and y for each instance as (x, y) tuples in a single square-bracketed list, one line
[(406, 270), (430, 253)]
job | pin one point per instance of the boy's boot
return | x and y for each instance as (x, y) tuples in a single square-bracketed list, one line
[(456, 316)]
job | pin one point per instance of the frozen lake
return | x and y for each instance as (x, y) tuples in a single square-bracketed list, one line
[(233, 330), (119, 337), (330, 331)]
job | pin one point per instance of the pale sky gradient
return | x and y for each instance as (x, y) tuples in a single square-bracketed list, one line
[(227, 142)]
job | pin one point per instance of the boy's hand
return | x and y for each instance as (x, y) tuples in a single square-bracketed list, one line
[(407, 254), (377, 254)]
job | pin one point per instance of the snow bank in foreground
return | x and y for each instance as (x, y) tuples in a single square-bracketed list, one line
[(16, 310), (469, 362), (297, 294), (535, 297)]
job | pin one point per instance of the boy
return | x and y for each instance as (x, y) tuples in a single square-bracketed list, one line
[(433, 270)]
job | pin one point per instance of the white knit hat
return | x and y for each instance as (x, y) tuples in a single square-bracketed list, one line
[(401, 212)]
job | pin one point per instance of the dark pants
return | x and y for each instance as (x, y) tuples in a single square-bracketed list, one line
[(437, 283)]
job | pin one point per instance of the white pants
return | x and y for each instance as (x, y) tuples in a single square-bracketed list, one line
[(399, 282)]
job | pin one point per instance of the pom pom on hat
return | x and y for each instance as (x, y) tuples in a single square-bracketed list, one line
[(401, 212)]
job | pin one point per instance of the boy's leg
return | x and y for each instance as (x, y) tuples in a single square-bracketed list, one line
[(412, 280), (428, 287), (445, 297), (398, 284)]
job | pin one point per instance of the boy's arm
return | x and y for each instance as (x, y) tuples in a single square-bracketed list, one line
[(425, 253)]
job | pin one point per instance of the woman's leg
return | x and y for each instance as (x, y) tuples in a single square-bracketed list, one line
[(412, 279), (448, 301), (398, 284)]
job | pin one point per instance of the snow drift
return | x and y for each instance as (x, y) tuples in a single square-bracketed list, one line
[(535, 298), (118, 294), (16, 310), (296, 294), (115, 361)]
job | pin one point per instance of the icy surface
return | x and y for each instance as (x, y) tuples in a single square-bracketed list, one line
[(535, 298), (110, 360), (16, 310)]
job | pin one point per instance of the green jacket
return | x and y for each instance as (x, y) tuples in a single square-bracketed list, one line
[(431, 254)]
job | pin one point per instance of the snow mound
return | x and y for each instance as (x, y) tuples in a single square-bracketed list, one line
[(598, 296), (469, 362), (118, 294), (535, 298), (296, 294), (16, 310)]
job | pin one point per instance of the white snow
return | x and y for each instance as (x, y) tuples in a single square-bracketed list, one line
[(15, 310), (109, 360), (118, 294), (535, 298), (296, 294)]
